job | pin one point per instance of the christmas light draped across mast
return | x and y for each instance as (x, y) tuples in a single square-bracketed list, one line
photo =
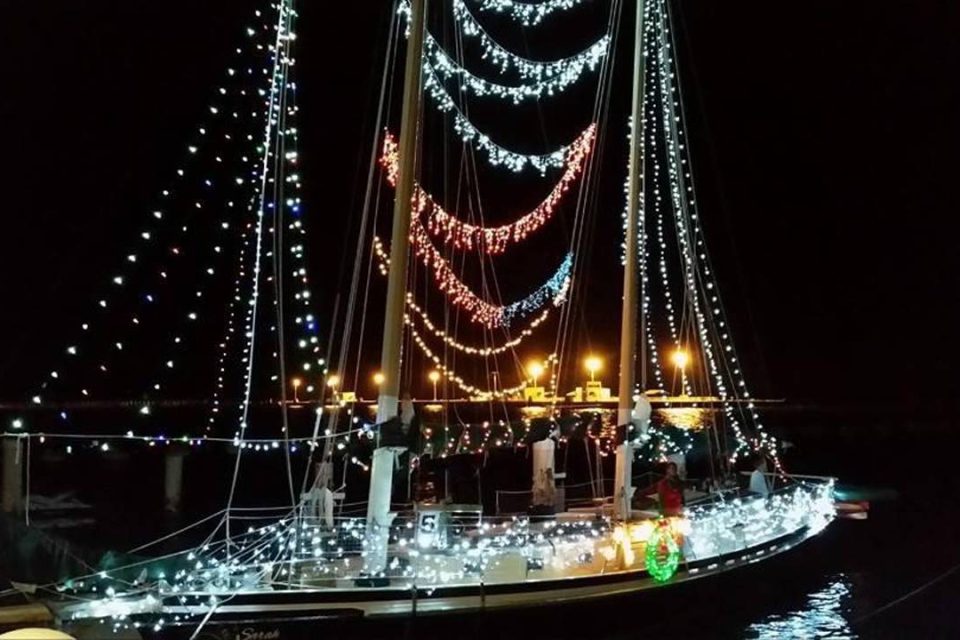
[(491, 240), (265, 185), (221, 126), (527, 13), (532, 80), (664, 119), (537, 79)]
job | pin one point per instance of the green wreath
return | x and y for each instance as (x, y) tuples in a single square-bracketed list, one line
[(663, 552)]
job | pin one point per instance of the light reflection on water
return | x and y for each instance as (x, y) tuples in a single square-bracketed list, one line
[(821, 617), (691, 418)]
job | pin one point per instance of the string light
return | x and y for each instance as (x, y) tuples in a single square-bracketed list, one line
[(492, 240), (446, 69), (527, 14), (470, 350), (459, 382), (539, 78), (528, 70), (497, 155), (383, 262), (294, 551), (554, 290), (159, 218)]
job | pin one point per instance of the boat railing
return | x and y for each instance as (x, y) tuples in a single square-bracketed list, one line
[(581, 495)]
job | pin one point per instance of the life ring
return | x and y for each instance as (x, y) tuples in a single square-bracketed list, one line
[(662, 553)]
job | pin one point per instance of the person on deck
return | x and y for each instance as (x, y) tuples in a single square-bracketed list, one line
[(670, 491), (758, 479)]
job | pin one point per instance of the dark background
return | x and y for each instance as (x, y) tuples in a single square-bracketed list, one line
[(824, 140)]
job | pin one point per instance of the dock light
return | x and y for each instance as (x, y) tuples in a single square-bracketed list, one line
[(535, 369), (681, 359), (296, 382), (434, 378), (593, 364)]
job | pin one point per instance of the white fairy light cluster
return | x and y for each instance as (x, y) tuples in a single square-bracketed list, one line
[(528, 70), (383, 264), (528, 14), (537, 79), (547, 85), (497, 155), (745, 522), (299, 552)]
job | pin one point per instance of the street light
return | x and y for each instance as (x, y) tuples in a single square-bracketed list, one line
[(593, 364), (434, 378), (681, 358), (333, 381), (535, 369), (296, 382), (378, 378)]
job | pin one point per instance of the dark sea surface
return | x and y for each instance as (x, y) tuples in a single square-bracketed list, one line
[(890, 576)]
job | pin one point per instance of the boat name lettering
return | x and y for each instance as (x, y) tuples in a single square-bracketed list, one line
[(253, 634)]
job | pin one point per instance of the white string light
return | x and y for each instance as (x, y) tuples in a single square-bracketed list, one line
[(528, 14), (160, 217), (491, 240), (497, 155), (528, 70), (447, 69)]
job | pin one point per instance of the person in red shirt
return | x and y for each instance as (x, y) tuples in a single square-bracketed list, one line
[(670, 492)]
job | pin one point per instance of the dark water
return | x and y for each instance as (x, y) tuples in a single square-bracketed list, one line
[(886, 577)]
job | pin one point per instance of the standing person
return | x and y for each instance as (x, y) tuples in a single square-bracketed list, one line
[(758, 479), (670, 492)]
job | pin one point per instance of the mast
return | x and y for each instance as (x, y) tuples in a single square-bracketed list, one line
[(381, 475), (629, 315)]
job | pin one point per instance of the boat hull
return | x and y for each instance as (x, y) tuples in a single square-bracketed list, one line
[(298, 615)]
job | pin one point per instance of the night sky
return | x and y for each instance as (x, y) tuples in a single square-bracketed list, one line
[(825, 139)]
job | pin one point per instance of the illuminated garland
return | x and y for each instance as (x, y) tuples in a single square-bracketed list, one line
[(492, 240), (526, 13), (480, 311), (271, 146), (662, 555), (538, 78), (159, 217), (383, 263), (192, 584), (497, 155), (459, 382), (467, 349), (553, 290), (447, 69), (529, 70)]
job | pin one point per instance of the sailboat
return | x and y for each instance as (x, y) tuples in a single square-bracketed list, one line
[(301, 566)]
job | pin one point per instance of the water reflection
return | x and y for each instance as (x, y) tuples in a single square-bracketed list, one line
[(822, 617), (691, 418)]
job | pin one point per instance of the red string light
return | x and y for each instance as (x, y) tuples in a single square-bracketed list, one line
[(492, 240)]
